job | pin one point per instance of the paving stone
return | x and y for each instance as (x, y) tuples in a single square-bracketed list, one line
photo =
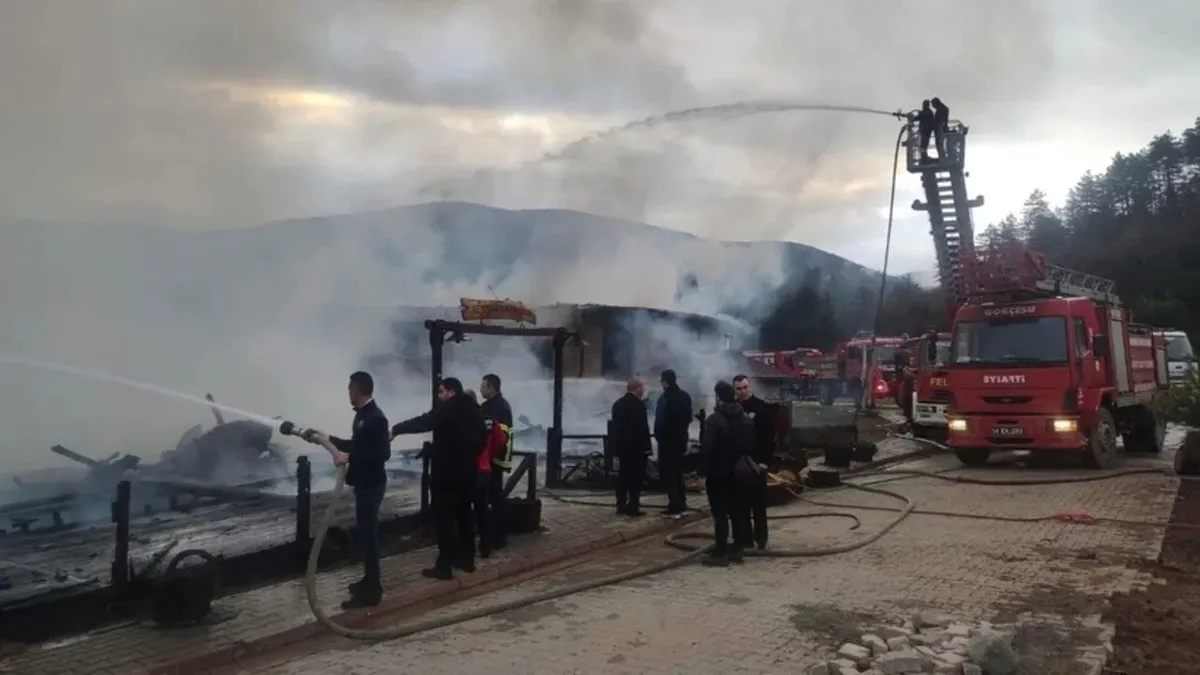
[(900, 663), (896, 644), (971, 669), (875, 644), (993, 653), (818, 669)]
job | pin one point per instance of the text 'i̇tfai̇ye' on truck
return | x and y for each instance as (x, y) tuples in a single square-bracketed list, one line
[(1041, 358)]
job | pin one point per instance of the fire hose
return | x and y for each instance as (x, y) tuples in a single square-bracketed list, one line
[(694, 552)]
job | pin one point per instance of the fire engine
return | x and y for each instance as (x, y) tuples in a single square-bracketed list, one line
[(929, 355), (842, 373), (1041, 357)]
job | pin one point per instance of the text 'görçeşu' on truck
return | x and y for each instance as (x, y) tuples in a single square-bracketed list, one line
[(1041, 358)]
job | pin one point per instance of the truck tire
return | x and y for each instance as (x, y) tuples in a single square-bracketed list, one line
[(973, 456), (1102, 450), (1147, 432)]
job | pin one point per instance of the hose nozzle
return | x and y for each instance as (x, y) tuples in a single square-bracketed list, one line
[(289, 428)]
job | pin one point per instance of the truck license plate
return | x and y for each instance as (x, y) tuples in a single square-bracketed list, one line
[(1008, 430)]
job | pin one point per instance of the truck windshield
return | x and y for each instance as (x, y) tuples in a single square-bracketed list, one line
[(1179, 348), (1033, 340), (942, 357)]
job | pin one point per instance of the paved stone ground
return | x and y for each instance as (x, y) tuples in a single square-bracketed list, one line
[(128, 648), (778, 615)]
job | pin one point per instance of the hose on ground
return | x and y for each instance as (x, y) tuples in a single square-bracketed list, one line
[(676, 541)]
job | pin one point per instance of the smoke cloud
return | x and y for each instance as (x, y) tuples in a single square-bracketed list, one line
[(124, 121)]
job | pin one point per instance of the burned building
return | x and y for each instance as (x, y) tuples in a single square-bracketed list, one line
[(614, 343)]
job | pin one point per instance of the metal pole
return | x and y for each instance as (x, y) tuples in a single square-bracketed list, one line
[(554, 436), (303, 506), (120, 517)]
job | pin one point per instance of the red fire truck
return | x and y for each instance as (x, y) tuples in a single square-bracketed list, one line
[(1041, 357), (842, 373), (1044, 358), (929, 355)]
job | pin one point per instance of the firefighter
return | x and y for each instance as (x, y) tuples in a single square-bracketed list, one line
[(458, 434), (762, 415), (495, 445), (365, 453), (496, 408), (941, 123), (925, 127), (630, 442), (906, 382)]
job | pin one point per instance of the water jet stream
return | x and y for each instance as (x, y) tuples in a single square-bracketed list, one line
[(726, 111), (133, 384)]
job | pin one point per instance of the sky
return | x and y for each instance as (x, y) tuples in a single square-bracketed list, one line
[(226, 113)]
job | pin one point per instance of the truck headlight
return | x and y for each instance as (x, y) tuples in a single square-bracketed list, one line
[(1064, 426), (957, 424)]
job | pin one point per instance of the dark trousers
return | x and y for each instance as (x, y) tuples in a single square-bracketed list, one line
[(729, 515), (756, 528), (481, 498), (925, 134), (455, 525), (670, 473), (499, 511), (631, 475), (367, 501)]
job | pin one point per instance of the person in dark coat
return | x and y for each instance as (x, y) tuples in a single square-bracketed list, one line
[(630, 440), (459, 435), (672, 417), (728, 441), (941, 124), (762, 415), (496, 408), (365, 453), (925, 126)]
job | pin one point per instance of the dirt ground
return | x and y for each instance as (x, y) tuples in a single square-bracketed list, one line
[(1157, 629)]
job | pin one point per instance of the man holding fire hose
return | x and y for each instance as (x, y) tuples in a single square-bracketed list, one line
[(364, 454)]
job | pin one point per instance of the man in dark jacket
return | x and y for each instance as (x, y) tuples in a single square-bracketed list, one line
[(762, 414), (728, 440), (941, 123), (630, 439), (925, 126), (459, 435), (672, 417), (366, 452), (496, 408)]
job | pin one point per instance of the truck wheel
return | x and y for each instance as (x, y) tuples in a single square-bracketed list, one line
[(1148, 433), (973, 456), (1102, 450)]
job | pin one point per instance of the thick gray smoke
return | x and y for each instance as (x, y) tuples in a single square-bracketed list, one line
[(171, 114)]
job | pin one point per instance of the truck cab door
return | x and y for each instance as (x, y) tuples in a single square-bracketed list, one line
[(1085, 356)]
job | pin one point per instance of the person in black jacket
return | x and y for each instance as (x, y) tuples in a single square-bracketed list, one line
[(672, 417), (762, 414), (366, 452), (629, 438), (496, 408), (459, 434), (941, 124), (925, 126), (728, 440)]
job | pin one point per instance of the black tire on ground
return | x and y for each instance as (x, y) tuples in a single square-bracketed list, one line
[(1102, 450), (1147, 433), (973, 456)]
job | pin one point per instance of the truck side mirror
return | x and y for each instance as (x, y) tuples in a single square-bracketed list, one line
[(1100, 346)]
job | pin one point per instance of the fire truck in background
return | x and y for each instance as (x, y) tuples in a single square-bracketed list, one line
[(930, 354), (843, 372), (1041, 357)]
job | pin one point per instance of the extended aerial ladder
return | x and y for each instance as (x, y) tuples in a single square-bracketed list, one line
[(947, 204), (1012, 272)]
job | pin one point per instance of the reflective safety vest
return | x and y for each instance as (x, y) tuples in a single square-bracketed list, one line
[(503, 459)]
